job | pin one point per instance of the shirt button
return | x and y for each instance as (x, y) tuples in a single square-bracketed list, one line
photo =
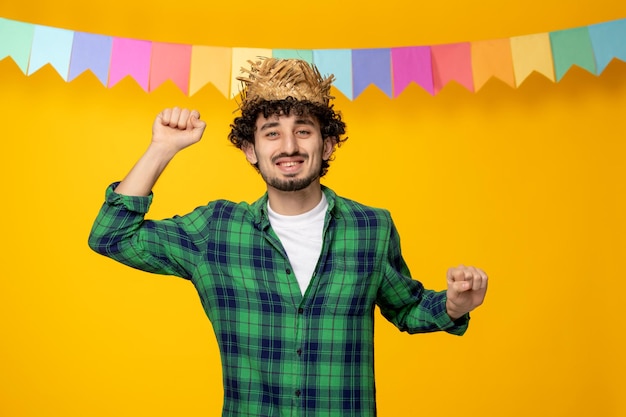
[(299, 352), (300, 310), (288, 271), (298, 393)]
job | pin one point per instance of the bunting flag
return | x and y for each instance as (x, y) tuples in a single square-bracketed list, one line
[(492, 59), (531, 53), (412, 64), (339, 63), (91, 52), (240, 59), (572, 47), (170, 62), (16, 41), (452, 62), (430, 67), (51, 46), (608, 41), (130, 57), (210, 65), (371, 66)]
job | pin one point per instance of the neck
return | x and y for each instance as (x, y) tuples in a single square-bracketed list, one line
[(292, 203)]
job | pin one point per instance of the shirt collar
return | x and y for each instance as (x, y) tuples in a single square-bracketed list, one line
[(258, 209)]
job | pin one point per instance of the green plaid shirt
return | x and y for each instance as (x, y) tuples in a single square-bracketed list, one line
[(283, 354)]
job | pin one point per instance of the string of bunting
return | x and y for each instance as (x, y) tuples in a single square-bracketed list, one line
[(191, 67)]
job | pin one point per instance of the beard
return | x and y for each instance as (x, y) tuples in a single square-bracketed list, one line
[(289, 184)]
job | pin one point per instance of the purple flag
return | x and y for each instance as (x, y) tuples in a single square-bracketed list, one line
[(91, 52), (371, 66)]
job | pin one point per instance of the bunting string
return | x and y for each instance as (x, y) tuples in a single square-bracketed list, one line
[(191, 67)]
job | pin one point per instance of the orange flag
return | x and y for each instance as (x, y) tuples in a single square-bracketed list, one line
[(492, 59), (210, 64)]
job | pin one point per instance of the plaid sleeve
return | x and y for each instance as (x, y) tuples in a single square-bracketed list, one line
[(120, 232), (406, 303)]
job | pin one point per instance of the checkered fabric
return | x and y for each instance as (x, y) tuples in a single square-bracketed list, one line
[(283, 353)]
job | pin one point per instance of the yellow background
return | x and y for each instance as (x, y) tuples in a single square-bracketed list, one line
[(527, 183)]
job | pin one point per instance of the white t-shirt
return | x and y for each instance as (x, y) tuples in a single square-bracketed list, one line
[(301, 236)]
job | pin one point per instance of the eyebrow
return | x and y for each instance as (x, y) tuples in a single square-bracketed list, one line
[(268, 125), (305, 121), (301, 121)]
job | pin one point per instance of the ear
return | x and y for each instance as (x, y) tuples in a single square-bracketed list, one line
[(248, 149), (329, 147)]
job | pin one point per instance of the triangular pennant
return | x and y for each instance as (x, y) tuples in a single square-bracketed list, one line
[(572, 47), (412, 64), (91, 52), (16, 40), (210, 64), (130, 57), (241, 56), (608, 41), (371, 66), (339, 63), (170, 61), (452, 62), (492, 59), (51, 46), (532, 53)]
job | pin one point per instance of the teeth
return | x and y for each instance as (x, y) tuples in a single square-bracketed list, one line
[(289, 164)]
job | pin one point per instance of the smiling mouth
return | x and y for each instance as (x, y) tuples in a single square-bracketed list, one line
[(289, 164)]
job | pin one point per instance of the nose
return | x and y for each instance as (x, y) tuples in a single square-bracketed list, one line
[(290, 144)]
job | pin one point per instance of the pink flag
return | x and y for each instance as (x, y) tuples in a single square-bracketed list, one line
[(412, 64), (130, 57), (170, 62), (452, 62)]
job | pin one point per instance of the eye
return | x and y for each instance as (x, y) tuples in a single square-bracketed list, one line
[(271, 134), (303, 132)]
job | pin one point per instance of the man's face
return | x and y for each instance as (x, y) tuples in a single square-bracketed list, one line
[(288, 151)]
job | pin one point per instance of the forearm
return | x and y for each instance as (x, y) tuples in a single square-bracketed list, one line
[(117, 223), (422, 311), (144, 175), (121, 233)]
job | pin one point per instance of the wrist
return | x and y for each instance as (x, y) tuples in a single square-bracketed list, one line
[(453, 312), (161, 152)]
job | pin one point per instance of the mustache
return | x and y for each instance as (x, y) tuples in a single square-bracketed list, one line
[(290, 155)]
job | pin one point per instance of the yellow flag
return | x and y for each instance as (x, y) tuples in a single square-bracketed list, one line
[(532, 53)]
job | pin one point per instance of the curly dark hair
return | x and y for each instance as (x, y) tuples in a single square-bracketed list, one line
[(244, 126)]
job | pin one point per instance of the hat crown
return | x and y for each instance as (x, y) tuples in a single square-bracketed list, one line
[(277, 79)]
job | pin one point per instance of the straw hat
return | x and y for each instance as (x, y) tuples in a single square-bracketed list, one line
[(277, 79)]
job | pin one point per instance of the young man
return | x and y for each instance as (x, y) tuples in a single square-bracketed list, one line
[(290, 281)]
